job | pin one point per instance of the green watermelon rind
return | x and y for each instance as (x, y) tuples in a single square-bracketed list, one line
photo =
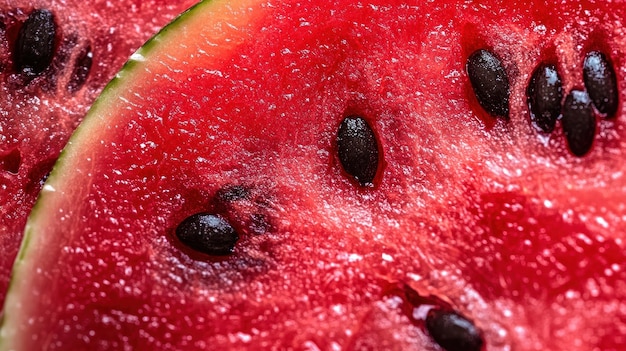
[(121, 77), (126, 73)]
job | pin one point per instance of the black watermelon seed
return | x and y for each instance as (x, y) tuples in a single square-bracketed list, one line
[(358, 149), (544, 94), (579, 124), (207, 233), (81, 70), (601, 83), (490, 82), (34, 47), (452, 331)]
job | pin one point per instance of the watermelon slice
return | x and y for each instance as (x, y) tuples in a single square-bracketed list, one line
[(55, 58), (342, 175)]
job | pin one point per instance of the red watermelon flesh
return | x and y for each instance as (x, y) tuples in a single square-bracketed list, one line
[(234, 110), (93, 39)]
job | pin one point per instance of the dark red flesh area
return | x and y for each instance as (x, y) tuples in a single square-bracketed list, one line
[(500, 222)]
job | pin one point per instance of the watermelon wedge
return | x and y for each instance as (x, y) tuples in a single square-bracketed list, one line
[(344, 175), (55, 58)]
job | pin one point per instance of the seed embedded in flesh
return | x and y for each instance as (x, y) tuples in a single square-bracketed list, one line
[(207, 233), (358, 149), (489, 82), (601, 83), (232, 193), (34, 47), (579, 124), (452, 331), (81, 70), (544, 94)]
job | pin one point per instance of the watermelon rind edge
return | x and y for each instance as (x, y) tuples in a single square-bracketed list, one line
[(132, 65)]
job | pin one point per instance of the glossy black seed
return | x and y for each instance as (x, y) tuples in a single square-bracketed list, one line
[(452, 331), (601, 83), (34, 47), (579, 124), (207, 233), (81, 70), (358, 149), (544, 94), (490, 82)]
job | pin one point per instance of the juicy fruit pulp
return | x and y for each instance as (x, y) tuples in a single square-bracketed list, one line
[(235, 110), (55, 57)]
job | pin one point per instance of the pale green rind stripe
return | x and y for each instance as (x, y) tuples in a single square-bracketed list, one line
[(111, 90)]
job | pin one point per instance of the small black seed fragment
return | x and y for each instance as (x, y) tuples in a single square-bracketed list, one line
[(452, 331), (43, 179), (544, 94), (232, 193), (34, 47), (601, 83), (358, 149), (207, 233), (490, 82), (81, 70), (579, 124)]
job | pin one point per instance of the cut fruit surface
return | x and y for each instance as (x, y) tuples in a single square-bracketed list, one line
[(465, 228), (55, 58)]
